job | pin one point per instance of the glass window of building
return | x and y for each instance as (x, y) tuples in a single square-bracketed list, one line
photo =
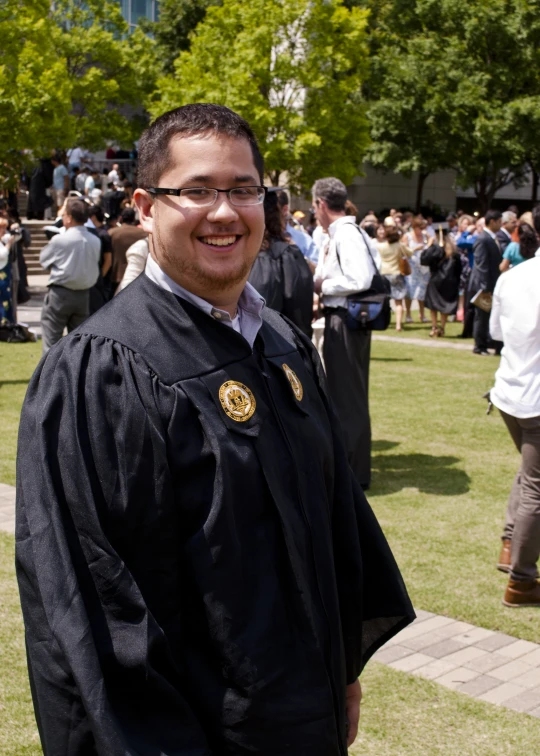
[(134, 10)]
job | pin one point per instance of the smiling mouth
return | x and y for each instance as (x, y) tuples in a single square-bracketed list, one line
[(220, 241)]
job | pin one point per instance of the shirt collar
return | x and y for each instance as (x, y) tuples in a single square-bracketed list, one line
[(506, 232), (488, 231), (333, 227), (250, 300)]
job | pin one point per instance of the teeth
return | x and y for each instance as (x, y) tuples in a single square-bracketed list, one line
[(219, 241)]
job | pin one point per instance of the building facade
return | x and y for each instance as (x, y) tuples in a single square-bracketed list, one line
[(133, 10)]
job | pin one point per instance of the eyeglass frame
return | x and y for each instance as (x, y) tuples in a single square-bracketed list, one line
[(176, 192)]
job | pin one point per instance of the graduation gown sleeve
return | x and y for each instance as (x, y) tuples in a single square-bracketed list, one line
[(373, 601), (102, 677)]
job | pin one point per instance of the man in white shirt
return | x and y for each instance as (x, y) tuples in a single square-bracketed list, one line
[(346, 266), (72, 258), (113, 176), (515, 320), (75, 157)]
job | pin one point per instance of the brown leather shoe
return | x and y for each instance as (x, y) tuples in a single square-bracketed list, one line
[(522, 593), (505, 557)]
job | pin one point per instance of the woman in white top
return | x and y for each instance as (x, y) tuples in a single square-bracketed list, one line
[(136, 256), (417, 239)]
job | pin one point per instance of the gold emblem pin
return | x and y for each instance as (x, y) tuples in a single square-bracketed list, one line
[(237, 401), (294, 381)]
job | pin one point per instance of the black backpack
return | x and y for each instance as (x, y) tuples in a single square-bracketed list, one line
[(369, 310)]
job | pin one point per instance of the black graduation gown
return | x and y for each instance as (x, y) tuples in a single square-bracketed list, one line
[(190, 584), (442, 293), (282, 276)]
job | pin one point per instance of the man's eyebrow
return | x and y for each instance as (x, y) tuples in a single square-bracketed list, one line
[(208, 179)]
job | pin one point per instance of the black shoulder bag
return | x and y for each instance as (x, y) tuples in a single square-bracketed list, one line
[(369, 310)]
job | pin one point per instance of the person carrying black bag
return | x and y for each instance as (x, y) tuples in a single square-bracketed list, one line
[(280, 272), (346, 267)]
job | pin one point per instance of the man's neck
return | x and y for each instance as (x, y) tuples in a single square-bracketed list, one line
[(334, 216)]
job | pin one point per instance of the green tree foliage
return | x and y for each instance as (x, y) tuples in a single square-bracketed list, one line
[(177, 19), (109, 73), (446, 88), (34, 90), (69, 74), (293, 70)]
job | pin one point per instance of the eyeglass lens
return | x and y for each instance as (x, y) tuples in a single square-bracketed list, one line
[(242, 195)]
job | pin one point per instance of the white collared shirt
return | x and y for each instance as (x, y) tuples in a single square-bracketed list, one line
[(353, 270), (248, 320), (515, 320)]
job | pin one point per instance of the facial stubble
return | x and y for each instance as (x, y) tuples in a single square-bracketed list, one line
[(190, 270)]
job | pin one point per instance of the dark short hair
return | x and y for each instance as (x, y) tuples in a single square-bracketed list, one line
[(528, 241), (492, 215), (189, 120), (95, 211), (272, 217), (128, 215), (451, 217), (282, 198), (78, 210), (333, 191), (536, 218)]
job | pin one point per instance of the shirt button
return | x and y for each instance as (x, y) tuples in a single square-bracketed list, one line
[(217, 315)]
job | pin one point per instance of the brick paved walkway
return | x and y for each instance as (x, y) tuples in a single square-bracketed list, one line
[(7, 508), (481, 663)]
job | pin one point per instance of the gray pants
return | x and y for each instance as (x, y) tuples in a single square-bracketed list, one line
[(346, 360), (62, 308), (523, 511)]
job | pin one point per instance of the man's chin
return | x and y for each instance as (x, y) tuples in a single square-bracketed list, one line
[(214, 278)]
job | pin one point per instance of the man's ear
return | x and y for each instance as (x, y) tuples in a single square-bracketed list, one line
[(145, 206)]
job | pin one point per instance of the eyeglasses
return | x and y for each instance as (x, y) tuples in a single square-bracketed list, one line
[(202, 196)]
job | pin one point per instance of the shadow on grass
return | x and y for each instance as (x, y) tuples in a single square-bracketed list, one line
[(391, 359), (14, 383), (383, 445), (427, 473)]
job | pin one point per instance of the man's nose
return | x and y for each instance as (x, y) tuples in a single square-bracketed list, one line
[(223, 211)]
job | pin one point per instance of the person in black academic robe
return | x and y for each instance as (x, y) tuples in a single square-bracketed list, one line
[(442, 293), (200, 573), (281, 273)]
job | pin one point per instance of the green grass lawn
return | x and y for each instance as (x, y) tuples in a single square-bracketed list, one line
[(442, 472), (17, 363)]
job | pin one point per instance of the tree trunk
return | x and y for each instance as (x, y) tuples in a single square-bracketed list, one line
[(482, 195), (274, 177), (422, 176), (535, 180)]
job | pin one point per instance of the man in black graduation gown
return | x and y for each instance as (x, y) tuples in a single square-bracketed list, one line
[(200, 574)]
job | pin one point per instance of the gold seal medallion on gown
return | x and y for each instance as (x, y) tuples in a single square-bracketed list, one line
[(294, 381), (237, 401)]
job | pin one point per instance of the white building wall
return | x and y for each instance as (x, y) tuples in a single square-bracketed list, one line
[(378, 189)]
